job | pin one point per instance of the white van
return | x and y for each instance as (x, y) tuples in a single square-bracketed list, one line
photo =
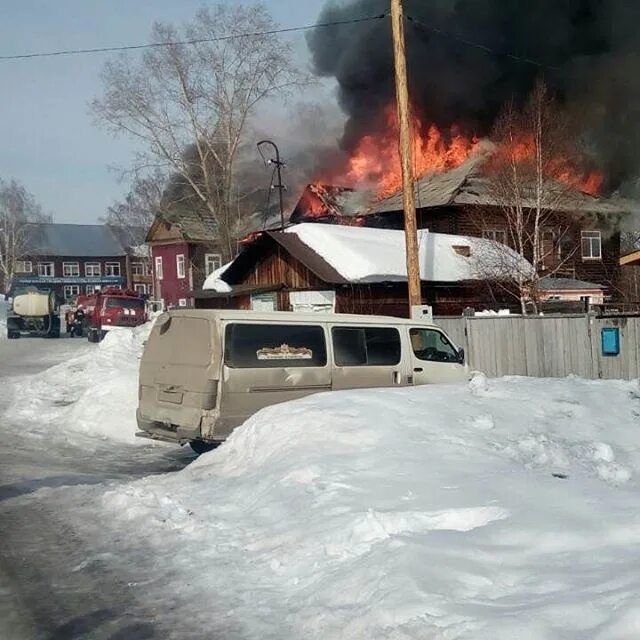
[(204, 372)]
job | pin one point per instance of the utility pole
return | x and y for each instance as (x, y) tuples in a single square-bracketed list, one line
[(406, 155), (279, 164)]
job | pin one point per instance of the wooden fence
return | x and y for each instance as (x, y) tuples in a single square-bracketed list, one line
[(547, 346)]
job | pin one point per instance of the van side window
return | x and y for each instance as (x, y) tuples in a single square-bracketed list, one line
[(366, 346), (429, 344), (263, 346)]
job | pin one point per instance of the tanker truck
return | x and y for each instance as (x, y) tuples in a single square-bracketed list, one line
[(33, 312)]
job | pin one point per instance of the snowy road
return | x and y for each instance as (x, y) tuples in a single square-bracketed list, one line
[(53, 585)]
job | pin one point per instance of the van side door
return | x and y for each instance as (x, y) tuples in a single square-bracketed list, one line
[(367, 356), (265, 364), (434, 358)]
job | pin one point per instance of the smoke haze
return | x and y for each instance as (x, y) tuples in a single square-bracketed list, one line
[(588, 49)]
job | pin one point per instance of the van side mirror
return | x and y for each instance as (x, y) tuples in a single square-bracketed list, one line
[(461, 355)]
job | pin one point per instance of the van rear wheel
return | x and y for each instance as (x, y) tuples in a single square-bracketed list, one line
[(200, 446)]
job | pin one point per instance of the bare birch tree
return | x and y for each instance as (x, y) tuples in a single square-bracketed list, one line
[(530, 184), (18, 213), (138, 208), (189, 105)]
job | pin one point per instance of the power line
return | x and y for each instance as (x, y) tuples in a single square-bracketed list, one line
[(134, 47), (478, 45)]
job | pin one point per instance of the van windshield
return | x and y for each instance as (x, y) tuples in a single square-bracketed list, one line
[(429, 344)]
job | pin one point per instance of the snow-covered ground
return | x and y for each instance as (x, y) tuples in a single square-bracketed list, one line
[(94, 393), (500, 509)]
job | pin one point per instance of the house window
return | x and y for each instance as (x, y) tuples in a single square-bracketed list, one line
[(137, 269), (70, 269), (112, 269), (159, 267), (182, 302), (71, 291), (212, 261), (46, 269), (92, 288), (140, 288), (147, 269), (180, 266), (92, 269), (497, 235), (24, 266), (591, 245)]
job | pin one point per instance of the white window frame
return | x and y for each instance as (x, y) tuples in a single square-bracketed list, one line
[(46, 264), (111, 267), (68, 267), (158, 267), (140, 288), (21, 266), (181, 270), (209, 260), (594, 238), (71, 291), (92, 270), (148, 271), (137, 269), (182, 302), (90, 289)]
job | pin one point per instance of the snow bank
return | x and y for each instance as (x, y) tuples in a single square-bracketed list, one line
[(495, 510), (489, 312), (94, 393)]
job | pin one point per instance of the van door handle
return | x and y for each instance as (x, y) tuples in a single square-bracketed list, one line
[(418, 369), (397, 378)]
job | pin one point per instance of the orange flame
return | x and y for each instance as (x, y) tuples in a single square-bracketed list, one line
[(376, 159), (560, 168)]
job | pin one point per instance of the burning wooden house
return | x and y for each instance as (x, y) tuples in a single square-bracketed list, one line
[(578, 237)]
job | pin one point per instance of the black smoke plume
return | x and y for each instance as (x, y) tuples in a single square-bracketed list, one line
[(588, 51)]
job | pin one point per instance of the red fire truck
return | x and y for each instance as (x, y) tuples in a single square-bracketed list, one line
[(112, 308)]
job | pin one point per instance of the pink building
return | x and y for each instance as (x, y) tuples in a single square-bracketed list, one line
[(184, 251)]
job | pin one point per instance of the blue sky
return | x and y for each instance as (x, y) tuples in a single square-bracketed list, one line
[(48, 140)]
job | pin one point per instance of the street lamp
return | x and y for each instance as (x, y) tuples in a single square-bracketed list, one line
[(279, 164)]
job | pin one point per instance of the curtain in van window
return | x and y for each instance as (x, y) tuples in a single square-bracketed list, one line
[(261, 346), (366, 346)]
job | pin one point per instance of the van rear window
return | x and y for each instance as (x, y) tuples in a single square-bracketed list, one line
[(366, 346), (263, 346), (181, 341)]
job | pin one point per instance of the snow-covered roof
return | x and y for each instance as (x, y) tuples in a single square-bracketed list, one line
[(361, 254), (214, 280)]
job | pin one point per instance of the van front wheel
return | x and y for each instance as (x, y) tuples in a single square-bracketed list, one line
[(200, 446)]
